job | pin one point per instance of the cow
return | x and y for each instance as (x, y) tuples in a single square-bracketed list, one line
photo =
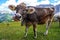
[(33, 16)]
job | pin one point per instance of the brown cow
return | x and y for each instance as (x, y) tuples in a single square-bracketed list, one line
[(33, 16)]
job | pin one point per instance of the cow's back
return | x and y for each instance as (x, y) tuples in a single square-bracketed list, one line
[(43, 14)]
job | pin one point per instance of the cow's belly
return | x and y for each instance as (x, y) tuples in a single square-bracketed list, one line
[(42, 21)]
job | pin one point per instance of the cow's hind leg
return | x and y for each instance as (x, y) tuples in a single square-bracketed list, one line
[(48, 23), (35, 30)]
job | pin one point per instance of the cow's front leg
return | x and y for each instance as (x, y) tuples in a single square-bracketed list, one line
[(22, 22), (26, 30), (35, 30)]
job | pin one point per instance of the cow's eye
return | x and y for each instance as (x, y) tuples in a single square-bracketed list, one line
[(23, 10), (26, 10)]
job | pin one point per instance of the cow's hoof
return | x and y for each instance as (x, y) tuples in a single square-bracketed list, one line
[(45, 33), (25, 36), (35, 37)]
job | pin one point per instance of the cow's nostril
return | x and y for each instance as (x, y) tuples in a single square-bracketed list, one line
[(20, 17)]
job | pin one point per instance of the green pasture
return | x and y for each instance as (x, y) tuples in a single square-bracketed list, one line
[(15, 31)]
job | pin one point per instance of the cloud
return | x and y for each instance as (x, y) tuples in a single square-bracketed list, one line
[(45, 2), (9, 2), (56, 3), (4, 6), (28, 2), (34, 2)]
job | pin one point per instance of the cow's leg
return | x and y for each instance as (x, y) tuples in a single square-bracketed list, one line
[(48, 23), (26, 30), (21, 23), (47, 26), (35, 30)]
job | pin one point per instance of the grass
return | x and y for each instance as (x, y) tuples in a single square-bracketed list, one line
[(16, 32)]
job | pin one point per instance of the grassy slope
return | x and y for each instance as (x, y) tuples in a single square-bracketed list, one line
[(16, 32)]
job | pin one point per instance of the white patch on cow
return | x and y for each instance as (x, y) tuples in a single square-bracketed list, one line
[(17, 14)]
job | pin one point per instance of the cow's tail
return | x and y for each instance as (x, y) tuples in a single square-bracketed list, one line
[(51, 11)]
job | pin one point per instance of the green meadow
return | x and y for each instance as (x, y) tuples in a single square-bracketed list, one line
[(15, 31)]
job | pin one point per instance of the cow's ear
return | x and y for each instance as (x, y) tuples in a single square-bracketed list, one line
[(31, 10), (12, 7)]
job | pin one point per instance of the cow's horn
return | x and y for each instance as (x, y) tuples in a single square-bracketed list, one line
[(23, 4)]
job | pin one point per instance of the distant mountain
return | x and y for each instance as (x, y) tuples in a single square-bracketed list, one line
[(44, 6), (6, 17)]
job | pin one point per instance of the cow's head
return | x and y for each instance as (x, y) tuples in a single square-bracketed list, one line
[(22, 9), (19, 8)]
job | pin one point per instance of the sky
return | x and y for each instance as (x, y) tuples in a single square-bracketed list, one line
[(4, 3)]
